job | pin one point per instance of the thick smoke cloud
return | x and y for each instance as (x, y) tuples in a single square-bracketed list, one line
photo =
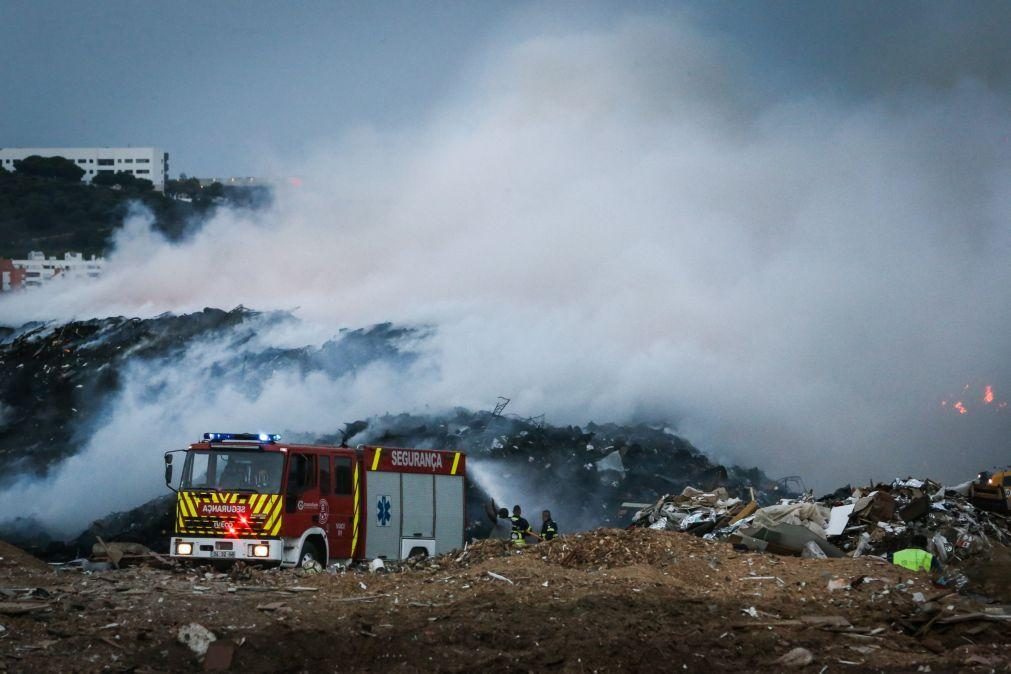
[(619, 224)]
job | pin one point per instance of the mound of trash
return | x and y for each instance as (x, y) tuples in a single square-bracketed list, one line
[(56, 381), (583, 474), (873, 520), (59, 384)]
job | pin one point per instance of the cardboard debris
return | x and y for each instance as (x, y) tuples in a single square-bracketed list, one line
[(915, 509), (219, 655)]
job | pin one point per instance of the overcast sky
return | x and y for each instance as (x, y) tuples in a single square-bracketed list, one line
[(240, 88), (781, 227)]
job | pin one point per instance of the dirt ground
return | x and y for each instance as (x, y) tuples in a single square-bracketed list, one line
[(604, 601)]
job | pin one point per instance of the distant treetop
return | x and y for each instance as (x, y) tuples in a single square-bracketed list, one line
[(58, 168)]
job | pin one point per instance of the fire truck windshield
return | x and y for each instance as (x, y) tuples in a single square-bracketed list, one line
[(233, 470)]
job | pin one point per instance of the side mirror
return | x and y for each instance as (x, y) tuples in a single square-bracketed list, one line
[(168, 470)]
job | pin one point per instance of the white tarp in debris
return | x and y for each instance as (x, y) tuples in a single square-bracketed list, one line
[(838, 520), (809, 515)]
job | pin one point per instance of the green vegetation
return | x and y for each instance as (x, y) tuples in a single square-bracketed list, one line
[(186, 187), (57, 168), (124, 180), (44, 206), (56, 215)]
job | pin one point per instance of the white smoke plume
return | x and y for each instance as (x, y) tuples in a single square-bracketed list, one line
[(617, 224)]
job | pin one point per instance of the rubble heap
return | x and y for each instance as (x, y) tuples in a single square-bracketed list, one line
[(566, 464), (56, 381), (583, 474), (868, 521)]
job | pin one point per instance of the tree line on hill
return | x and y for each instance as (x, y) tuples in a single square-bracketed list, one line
[(45, 206)]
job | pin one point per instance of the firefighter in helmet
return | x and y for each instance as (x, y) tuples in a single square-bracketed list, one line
[(521, 528), (501, 522), (548, 527)]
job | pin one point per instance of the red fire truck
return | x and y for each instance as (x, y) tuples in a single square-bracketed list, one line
[(246, 496)]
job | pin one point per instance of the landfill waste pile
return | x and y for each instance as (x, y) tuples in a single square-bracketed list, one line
[(590, 495), (57, 383), (582, 484), (148, 525), (864, 521), (583, 474), (590, 601)]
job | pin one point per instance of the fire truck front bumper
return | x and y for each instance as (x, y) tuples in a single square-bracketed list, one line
[(230, 549)]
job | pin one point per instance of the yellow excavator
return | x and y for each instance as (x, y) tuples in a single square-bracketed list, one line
[(992, 491)]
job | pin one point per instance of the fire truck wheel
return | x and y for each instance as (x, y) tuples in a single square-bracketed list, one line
[(310, 558), (418, 553)]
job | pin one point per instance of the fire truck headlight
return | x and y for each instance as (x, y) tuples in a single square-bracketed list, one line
[(184, 548), (261, 550)]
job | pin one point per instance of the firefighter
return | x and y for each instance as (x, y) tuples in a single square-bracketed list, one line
[(548, 528), (502, 525), (915, 558), (521, 528)]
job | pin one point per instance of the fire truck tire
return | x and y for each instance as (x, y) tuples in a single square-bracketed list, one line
[(418, 553), (309, 555)]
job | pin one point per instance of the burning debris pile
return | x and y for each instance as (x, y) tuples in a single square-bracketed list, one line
[(59, 385), (583, 485), (57, 381), (582, 474), (864, 521)]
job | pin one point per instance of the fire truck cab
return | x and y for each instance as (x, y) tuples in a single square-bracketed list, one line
[(250, 497)]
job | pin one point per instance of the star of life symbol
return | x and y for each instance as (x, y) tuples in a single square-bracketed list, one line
[(383, 507)]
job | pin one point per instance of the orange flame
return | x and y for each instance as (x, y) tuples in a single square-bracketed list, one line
[(967, 402)]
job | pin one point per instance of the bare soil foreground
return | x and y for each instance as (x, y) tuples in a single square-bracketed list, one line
[(606, 601)]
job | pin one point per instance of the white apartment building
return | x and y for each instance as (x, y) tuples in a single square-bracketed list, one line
[(40, 270), (149, 163)]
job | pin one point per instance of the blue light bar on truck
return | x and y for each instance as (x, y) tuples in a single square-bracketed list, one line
[(255, 437)]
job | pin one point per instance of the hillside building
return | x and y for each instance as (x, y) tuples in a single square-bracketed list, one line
[(149, 163), (38, 270)]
